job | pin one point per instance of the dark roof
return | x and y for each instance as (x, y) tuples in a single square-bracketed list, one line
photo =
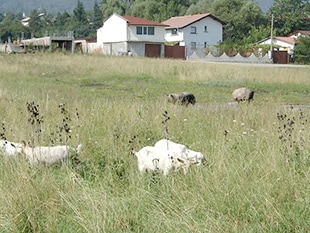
[(131, 20), (302, 32), (183, 21)]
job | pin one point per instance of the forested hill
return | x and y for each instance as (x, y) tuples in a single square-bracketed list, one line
[(51, 6), (55, 6)]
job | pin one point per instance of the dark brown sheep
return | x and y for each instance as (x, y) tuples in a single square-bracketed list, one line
[(183, 98)]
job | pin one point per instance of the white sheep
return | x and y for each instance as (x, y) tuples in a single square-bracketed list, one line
[(151, 159), (10, 148), (195, 157), (48, 155), (242, 94), (168, 146)]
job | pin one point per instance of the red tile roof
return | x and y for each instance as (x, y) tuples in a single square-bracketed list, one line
[(289, 40), (131, 20), (302, 32), (183, 21)]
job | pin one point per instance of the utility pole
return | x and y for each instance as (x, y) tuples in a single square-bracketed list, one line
[(271, 37)]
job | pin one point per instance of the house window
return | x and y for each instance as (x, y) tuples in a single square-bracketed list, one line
[(193, 30), (151, 31), (139, 30), (193, 45), (174, 31), (145, 30), (206, 29)]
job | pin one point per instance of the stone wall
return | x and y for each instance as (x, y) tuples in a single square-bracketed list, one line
[(224, 58)]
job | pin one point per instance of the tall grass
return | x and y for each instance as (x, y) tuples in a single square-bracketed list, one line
[(256, 174)]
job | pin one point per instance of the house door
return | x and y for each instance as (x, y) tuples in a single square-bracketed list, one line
[(152, 50), (280, 57), (175, 51)]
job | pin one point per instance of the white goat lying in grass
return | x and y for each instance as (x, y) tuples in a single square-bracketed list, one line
[(151, 159), (48, 155), (167, 146), (8, 148)]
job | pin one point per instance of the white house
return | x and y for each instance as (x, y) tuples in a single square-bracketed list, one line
[(299, 33), (287, 43), (128, 35), (194, 31), (284, 43)]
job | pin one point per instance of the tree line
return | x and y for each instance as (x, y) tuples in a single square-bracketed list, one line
[(245, 23)]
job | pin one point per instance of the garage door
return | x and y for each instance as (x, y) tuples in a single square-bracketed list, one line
[(152, 50)]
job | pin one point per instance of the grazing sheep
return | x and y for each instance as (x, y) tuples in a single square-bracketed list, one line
[(48, 155), (10, 148), (195, 157), (167, 146), (170, 147), (242, 94), (183, 98), (151, 159)]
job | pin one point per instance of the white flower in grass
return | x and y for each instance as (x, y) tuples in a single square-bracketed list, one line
[(185, 119), (242, 124), (234, 121), (244, 133)]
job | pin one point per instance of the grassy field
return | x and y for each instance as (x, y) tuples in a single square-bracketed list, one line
[(257, 170)]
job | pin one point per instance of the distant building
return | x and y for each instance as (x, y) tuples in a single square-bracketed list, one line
[(128, 35), (25, 20), (299, 33), (194, 31), (284, 43)]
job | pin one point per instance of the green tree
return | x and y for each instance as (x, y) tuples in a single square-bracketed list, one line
[(35, 24), (290, 15), (40, 23), (302, 51), (79, 14), (203, 6), (1, 17), (152, 10), (62, 21), (11, 27), (98, 16), (175, 8), (80, 24), (113, 6), (240, 16), (256, 34), (159, 10)]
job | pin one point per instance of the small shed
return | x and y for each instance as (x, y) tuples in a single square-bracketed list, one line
[(50, 42)]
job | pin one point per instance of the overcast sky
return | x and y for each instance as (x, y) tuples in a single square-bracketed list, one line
[(265, 4)]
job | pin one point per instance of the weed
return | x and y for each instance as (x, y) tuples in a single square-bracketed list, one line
[(35, 120), (165, 123), (292, 134), (131, 142), (64, 129), (2, 133)]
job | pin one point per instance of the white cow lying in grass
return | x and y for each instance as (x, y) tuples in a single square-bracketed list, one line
[(10, 148), (167, 146), (48, 155), (151, 159)]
